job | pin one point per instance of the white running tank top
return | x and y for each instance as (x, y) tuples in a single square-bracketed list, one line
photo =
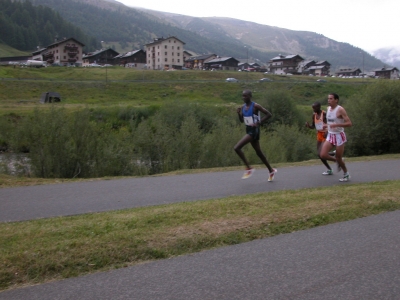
[(331, 118)]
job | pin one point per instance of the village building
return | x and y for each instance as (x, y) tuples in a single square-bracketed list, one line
[(132, 59), (222, 63), (348, 72), (387, 73), (282, 65), (165, 53), (100, 57), (65, 52), (197, 62)]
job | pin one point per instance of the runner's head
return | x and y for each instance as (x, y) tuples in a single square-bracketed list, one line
[(316, 107), (333, 99), (246, 95)]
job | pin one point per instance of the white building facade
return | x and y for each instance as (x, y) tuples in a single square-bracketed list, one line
[(165, 54)]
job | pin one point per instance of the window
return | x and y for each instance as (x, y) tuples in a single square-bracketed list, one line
[(179, 48), (173, 60), (172, 47), (165, 46), (178, 54), (179, 60), (65, 57), (166, 53), (172, 53), (166, 59), (158, 60)]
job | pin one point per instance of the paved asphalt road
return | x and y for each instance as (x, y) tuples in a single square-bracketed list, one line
[(359, 259), (25, 203)]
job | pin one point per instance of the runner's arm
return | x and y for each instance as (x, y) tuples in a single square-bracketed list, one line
[(266, 113)]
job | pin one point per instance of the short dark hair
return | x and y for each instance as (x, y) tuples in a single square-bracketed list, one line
[(248, 92), (335, 96)]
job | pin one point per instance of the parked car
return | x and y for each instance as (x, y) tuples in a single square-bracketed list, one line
[(265, 80), (231, 80)]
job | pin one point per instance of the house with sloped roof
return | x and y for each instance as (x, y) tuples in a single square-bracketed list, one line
[(198, 61), (65, 52), (101, 57), (132, 59), (348, 72), (222, 63), (284, 64), (387, 73), (165, 53)]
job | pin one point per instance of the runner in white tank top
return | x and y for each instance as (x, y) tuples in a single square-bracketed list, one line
[(337, 119)]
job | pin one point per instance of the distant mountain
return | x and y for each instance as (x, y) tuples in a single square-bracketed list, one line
[(390, 56), (129, 28)]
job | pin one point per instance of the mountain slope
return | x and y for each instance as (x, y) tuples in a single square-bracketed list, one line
[(271, 40), (111, 21)]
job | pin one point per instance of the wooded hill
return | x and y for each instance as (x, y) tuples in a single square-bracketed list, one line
[(127, 28)]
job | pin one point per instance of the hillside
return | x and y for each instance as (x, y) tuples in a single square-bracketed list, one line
[(271, 40), (7, 51), (126, 28)]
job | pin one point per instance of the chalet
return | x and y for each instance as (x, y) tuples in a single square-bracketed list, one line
[(165, 53), (187, 55), (284, 64), (197, 62), (38, 54), (222, 63), (348, 72), (302, 67), (133, 59), (103, 56), (65, 52), (243, 66), (387, 73)]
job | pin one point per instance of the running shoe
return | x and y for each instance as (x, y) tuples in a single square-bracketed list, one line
[(248, 173), (272, 175), (328, 172), (346, 177)]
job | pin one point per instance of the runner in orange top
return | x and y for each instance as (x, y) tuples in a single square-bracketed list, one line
[(319, 119)]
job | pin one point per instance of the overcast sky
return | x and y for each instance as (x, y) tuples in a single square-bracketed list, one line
[(367, 24)]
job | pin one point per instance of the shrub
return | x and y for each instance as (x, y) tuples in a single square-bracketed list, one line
[(374, 115)]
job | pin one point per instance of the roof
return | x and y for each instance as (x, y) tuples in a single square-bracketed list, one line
[(316, 67), (128, 54), (199, 57), (322, 62), (161, 39), (38, 51), (65, 40), (386, 69), (91, 54), (282, 57), (349, 70), (220, 59)]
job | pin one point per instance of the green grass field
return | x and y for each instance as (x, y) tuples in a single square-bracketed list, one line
[(21, 88)]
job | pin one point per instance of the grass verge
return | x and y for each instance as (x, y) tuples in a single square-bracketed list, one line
[(51, 249)]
